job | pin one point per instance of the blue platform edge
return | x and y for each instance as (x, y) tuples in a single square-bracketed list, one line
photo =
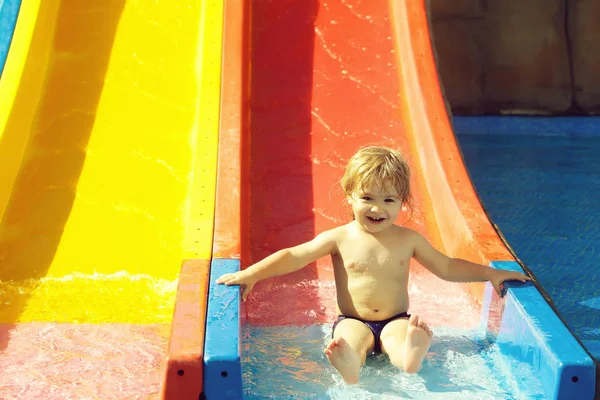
[(515, 125), (222, 346), (9, 10), (531, 333)]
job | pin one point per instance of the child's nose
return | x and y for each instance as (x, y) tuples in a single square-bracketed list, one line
[(375, 208)]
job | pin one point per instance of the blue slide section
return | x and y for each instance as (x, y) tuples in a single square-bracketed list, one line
[(531, 333), (222, 350), (9, 10)]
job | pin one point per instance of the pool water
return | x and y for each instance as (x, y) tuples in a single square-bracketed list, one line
[(84, 336), (288, 363), (120, 297), (541, 188)]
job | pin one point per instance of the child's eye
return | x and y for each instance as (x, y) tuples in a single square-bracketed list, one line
[(390, 201), (366, 198)]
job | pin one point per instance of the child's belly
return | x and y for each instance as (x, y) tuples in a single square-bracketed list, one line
[(373, 299)]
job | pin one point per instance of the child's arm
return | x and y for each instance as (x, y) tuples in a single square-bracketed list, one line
[(282, 262), (459, 270)]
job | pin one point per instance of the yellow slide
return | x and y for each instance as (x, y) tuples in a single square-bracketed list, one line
[(108, 136)]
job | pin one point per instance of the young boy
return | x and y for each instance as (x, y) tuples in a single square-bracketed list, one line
[(370, 258)]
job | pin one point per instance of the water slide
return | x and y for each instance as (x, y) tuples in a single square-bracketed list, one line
[(110, 116), (305, 83), (107, 174)]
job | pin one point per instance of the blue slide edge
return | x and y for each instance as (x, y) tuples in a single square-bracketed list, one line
[(531, 333), (9, 10), (222, 346)]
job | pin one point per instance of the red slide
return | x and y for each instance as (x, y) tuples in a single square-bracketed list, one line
[(305, 84), (315, 81)]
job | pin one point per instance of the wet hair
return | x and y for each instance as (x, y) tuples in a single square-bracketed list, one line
[(381, 167)]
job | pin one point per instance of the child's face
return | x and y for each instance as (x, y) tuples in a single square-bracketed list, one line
[(375, 209)]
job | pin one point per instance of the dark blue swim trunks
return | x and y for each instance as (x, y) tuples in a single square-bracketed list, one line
[(375, 326)]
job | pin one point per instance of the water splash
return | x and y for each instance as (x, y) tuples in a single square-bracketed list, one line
[(288, 363), (89, 298)]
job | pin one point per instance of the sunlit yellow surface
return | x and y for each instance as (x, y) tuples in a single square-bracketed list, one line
[(110, 118)]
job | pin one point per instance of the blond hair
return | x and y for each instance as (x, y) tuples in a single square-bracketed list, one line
[(376, 166)]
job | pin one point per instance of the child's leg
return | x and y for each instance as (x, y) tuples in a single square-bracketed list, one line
[(348, 349), (406, 342)]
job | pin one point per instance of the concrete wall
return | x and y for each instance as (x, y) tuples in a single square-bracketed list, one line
[(518, 56), (583, 19)]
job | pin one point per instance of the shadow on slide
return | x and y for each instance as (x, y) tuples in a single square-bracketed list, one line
[(43, 157), (280, 189)]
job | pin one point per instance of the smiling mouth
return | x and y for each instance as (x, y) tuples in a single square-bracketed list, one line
[(376, 220)]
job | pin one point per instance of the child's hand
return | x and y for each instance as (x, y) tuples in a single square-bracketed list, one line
[(241, 278), (500, 276)]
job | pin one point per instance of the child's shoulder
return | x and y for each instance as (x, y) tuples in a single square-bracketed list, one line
[(332, 234), (406, 234), (338, 232)]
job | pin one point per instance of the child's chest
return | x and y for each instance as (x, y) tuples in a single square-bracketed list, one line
[(373, 257)]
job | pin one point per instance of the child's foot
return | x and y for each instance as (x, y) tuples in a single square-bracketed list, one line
[(344, 359), (418, 339)]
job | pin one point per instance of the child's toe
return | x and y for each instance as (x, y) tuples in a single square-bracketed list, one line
[(413, 320), (425, 327), (330, 346)]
